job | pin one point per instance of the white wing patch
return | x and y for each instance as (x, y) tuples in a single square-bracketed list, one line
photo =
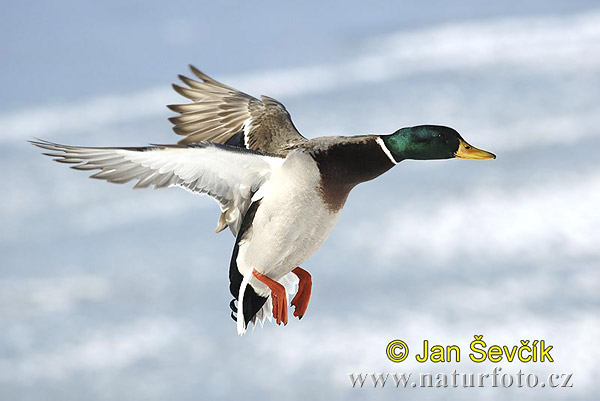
[(230, 175)]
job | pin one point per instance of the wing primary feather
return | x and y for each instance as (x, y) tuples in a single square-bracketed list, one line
[(218, 112)]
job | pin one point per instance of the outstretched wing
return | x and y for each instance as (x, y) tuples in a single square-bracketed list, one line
[(222, 114), (228, 174)]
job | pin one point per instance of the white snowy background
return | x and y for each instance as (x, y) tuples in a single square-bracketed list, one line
[(109, 293)]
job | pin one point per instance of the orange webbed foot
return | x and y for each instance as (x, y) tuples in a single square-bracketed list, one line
[(278, 297), (302, 298)]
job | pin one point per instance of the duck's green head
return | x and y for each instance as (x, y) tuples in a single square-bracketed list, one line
[(430, 142)]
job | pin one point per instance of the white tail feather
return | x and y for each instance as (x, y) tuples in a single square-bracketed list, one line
[(241, 321)]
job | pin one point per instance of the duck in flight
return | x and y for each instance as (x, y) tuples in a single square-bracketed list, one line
[(279, 193)]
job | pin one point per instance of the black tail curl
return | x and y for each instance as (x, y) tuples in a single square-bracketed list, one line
[(252, 301)]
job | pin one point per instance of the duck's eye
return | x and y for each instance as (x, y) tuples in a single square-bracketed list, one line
[(467, 147)]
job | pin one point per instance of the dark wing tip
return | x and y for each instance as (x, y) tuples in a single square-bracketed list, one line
[(179, 130), (43, 144), (183, 91), (185, 79), (205, 78), (199, 73), (174, 107), (38, 142)]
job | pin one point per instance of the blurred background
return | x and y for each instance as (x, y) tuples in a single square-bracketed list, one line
[(110, 293)]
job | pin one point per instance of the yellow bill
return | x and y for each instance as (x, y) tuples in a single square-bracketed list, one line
[(466, 151)]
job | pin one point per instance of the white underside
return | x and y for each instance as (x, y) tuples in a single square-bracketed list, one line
[(290, 225)]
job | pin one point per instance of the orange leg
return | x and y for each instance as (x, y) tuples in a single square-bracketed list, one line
[(278, 296), (302, 297)]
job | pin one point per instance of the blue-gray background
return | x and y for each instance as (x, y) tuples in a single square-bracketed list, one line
[(109, 293)]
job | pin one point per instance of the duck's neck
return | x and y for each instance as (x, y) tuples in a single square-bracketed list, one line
[(344, 165)]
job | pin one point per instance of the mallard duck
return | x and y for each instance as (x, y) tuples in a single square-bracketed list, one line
[(279, 193)]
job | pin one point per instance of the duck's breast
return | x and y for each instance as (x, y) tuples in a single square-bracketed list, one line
[(292, 221)]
